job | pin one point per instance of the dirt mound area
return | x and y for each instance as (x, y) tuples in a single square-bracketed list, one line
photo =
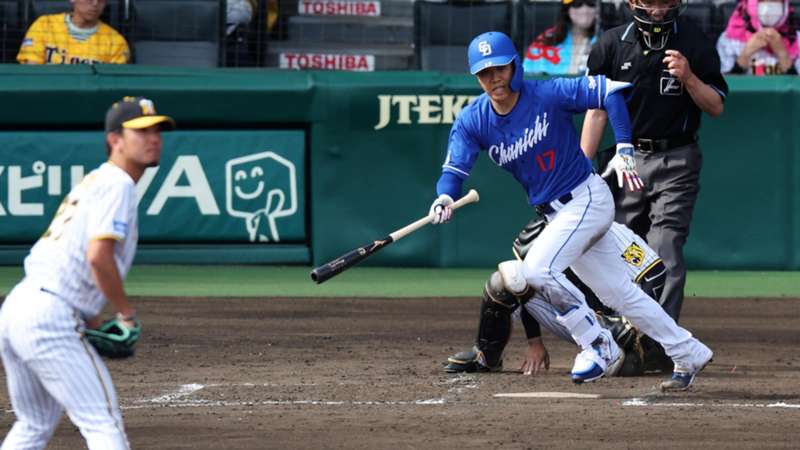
[(366, 374)]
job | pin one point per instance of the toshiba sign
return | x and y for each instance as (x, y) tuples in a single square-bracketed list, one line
[(327, 61), (339, 8)]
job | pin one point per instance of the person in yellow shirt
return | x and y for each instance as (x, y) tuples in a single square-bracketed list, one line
[(79, 37)]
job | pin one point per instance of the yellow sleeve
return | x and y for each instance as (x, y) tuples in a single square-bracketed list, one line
[(272, 13), (121, 54), (32, 49)]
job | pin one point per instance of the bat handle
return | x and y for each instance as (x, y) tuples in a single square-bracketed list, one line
[(471, 197)]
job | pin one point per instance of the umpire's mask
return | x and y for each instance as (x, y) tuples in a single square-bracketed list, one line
[(655, 19)]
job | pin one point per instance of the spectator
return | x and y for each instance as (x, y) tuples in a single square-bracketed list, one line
[(760, 39), (238, 12), (238, 41), (77, 37), (564, 48)]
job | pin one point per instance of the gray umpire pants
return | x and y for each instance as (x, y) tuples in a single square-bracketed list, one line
[(662, 211)]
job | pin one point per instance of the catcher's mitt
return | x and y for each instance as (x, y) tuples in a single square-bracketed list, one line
[(113, 339)]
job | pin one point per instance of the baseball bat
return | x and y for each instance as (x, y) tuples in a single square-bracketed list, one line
[(327, 271)]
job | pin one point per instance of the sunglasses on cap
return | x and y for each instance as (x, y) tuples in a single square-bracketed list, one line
[(579, 3)]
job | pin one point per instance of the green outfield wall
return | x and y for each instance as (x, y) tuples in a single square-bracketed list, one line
[(298, 167)]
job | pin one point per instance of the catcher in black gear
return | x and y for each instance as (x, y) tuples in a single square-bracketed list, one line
[(499, 306)]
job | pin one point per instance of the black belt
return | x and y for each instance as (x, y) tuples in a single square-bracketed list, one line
[(545, 208), (661, 145)]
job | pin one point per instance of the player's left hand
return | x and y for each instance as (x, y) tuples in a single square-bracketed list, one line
[(624, 165), (441, 211), (536, 359), (678, 65)]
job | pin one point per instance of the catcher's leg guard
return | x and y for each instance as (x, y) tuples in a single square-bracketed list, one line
[(494, 331), (627, 337), (642, 354)]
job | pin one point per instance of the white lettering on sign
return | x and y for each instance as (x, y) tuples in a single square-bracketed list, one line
[(197, 186), (185, 179), (19, 182), (427, 109), (339, 8), (326, 61)]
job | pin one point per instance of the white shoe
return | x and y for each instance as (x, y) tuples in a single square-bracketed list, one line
[(603, 358)]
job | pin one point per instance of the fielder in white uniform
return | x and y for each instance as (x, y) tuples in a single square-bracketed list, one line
[(526, 127), (72, 270)]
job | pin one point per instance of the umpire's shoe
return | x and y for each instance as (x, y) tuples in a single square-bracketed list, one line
[(470, 361), (683, 378), (603, 358)]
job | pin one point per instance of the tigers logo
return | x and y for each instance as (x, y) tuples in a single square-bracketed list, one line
[(634, 255), (148, 108)]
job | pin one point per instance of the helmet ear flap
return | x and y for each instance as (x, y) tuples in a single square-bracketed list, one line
[(516, 80)]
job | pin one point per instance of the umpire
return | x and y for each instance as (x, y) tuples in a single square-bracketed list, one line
[(675, 72)]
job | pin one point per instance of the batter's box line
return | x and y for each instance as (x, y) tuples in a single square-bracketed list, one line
[(178, 398), (194, 403), (637, 401)]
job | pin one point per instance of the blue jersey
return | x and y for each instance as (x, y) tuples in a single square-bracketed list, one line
[(537, 141)]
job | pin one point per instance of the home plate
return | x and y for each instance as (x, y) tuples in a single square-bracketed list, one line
[(546, 395)]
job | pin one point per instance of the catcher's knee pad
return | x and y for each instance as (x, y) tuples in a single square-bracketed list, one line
[(494, 328), (513, 280), (526, 237)]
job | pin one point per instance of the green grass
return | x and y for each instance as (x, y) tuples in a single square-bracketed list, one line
[(277, 281)]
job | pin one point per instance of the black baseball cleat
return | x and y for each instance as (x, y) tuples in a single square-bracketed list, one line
[(470, 361)]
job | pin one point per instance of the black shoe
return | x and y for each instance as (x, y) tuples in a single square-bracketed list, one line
[(470, 361)]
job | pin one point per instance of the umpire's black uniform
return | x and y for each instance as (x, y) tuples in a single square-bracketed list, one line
[(665, 121)]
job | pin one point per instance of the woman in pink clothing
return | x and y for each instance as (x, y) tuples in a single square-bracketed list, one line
[(760, 39)]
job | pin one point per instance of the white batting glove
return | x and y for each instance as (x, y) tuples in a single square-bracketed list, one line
[(440, 211), (624, 165)]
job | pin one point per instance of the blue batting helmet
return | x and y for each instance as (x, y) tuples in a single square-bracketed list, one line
[(494, 49)]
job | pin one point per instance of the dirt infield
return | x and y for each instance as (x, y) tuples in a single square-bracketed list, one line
[(365, 374)]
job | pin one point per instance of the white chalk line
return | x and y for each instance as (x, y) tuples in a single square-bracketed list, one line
[(642, 402), (178, 399)]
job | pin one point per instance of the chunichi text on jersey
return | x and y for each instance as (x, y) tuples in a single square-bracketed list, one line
[(505, 153)]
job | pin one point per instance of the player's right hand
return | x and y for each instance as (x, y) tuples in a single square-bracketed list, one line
[(624, 164), (128, 318), (537, 359), (441, 211)]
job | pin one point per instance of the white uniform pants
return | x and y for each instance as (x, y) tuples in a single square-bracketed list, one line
[(577, 236), (50, 368)]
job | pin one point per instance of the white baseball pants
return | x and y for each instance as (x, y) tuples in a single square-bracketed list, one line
[(577, 236), (50, 368)]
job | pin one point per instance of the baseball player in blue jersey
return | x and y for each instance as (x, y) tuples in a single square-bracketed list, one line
[(77, 266), (526, 128)]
